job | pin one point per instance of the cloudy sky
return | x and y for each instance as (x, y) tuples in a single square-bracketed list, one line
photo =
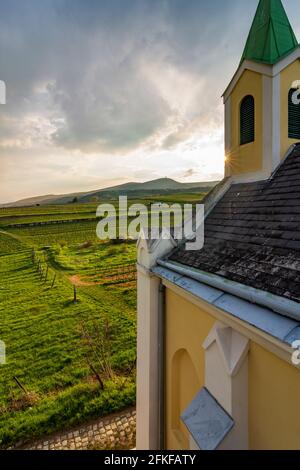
[(100, 92)]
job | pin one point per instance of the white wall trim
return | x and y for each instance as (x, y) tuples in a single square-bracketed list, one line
[(276, 122), (271, 125), (264, 69), (286, 61), (267, 130), (226, 378), (148, 342), (147, 362), (246, 65), (232, 346), (227, 121)]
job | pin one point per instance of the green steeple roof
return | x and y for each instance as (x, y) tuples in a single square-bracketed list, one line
[(271, 36)]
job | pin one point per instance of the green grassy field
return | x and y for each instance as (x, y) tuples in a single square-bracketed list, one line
[(42, 329), (58, 348), (9, 244), (65, 234)]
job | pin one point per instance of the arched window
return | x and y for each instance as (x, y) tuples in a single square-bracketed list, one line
[(247, 120), (294, 115)]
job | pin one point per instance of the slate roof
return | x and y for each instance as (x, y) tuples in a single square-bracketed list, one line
[(252, 236)]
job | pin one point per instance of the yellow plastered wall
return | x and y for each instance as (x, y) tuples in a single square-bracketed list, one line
[(274, 385), (274, 410), (287, 77), (246, 158), (186, 329)]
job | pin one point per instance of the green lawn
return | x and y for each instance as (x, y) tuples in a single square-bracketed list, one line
[(54, 345), (42, 329)]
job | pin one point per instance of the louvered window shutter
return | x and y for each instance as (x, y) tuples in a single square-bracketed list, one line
[(247, 120), (294, 117)]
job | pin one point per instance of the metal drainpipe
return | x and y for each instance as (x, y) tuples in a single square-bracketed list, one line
[(161, 365)]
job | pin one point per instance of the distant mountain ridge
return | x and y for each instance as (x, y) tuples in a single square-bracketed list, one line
[(164, 185)]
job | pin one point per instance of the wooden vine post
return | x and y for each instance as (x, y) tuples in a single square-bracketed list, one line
[(46, 275), (75, 294)]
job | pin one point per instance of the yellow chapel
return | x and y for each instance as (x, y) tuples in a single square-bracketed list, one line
[(219, 328)]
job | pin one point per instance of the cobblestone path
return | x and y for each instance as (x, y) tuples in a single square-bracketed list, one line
[(113, 432)]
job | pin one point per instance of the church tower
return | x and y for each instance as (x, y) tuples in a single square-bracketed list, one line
[(262, 120)]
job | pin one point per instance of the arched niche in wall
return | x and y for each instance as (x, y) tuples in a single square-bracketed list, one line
[(185, 386)]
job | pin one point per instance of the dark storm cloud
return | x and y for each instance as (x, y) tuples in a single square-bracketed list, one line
[(90, 57), (103, 78)]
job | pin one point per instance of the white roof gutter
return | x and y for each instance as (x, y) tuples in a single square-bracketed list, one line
[(278, 304)]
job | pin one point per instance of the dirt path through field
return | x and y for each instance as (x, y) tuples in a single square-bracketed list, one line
[(11, 235), (77, 281)]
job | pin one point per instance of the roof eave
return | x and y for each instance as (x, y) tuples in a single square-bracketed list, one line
[(263, 68), (280, 305), (283, 329)]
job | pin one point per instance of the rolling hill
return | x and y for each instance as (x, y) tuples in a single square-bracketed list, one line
[(158, 186)]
